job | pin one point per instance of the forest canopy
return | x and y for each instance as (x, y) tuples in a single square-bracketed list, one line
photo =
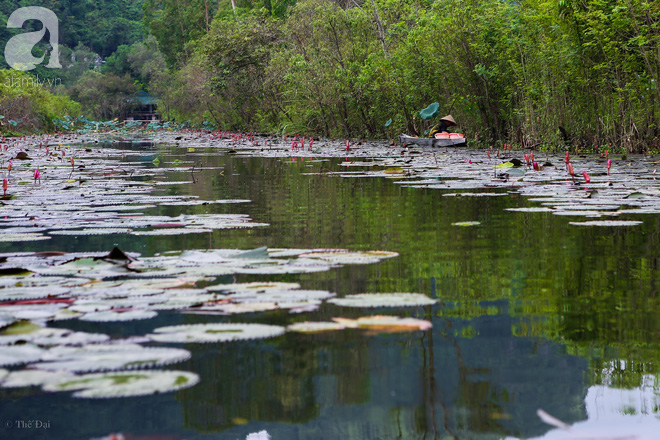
[(534, 72)]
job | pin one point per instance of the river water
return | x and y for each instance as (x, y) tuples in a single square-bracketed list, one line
[(533, 313)]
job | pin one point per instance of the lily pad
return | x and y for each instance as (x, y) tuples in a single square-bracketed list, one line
[(380, 323), (254, 287), (124, 383), (27, 236), (608, 223), (25, 331), (91, 358), (315, 327), (111, 316), (384, 300), (204, 333), (345, 257), (19, 354), (32, 378), (473, 223), (173, 231)]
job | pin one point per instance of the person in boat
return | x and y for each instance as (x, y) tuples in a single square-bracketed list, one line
[(443, 126)]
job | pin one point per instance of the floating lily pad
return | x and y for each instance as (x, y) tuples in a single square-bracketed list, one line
[(111, 316), (32, 378), (99, 231), (173, 231), (22, 293), (19, 354), (283, 296), (381, 323), (608, 223), (344, 257), (466, 223), (202, 202), (25, 331), (235, 308), (315, 327), (384, 300), (11, 238), (91, 358), (533, 209), (124, 383), (203, 333), (254, 287)]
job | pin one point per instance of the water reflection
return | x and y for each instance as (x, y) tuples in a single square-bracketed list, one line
[(534, 314)]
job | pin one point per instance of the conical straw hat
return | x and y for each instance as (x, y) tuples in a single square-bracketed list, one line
[(449, 119)]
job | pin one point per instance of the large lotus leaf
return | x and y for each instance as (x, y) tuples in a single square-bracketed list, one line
[(430, 112), (215, 332), (124, 383)]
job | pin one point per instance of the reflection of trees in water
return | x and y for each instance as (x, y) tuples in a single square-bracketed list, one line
[(253, 381), (579, 288), (476, 397)]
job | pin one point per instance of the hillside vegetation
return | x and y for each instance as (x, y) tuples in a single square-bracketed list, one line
[(533, 72)]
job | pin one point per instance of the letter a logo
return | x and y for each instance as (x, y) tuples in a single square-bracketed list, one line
[(18, 51)]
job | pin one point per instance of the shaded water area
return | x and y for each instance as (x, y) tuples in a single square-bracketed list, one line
[(533, 313)]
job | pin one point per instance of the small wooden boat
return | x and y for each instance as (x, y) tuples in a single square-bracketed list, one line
[(441, 140)]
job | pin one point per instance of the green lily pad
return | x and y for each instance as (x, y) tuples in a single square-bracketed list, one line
[(615, 223), (25, 331), (27, 236), (19, 354), (204, 333), (111, 316), (384, 300), (32, 378), (253, 287), (90, 358), (124, 383), (315, 327), (385, 324), (344, 257)]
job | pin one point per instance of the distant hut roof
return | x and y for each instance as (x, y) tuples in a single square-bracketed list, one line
[(145, 98)]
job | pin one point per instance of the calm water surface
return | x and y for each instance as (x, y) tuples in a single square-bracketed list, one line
[(533, 313)]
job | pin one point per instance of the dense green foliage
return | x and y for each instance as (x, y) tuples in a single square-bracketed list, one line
[(514, 72), (26, 105), (88, 32), (535, 72), (101, 26)]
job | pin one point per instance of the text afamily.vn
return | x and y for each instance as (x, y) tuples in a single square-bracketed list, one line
[(27, 424)]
